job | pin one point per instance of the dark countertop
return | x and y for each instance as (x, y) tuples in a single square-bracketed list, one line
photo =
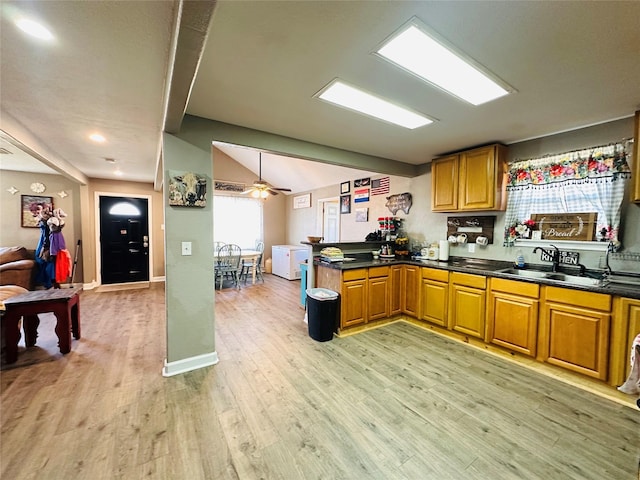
[(488, 268)]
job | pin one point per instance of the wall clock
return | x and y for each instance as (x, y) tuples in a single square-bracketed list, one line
[(37, 187)]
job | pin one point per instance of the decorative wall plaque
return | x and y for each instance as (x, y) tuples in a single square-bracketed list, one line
[(566, 226)]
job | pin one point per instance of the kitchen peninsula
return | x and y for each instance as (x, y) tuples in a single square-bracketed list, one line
[(583, 328)]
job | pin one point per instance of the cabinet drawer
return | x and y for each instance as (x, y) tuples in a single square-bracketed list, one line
[(355, 274), (516, 288), (468, 280), (597, 301), (378, 272), (435, 274)]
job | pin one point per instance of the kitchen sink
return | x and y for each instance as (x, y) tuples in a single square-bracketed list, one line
[(557, 276)]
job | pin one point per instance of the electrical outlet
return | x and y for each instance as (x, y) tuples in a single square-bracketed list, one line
[(471, 247), (186, 248)]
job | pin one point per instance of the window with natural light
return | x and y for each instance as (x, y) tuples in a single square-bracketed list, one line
[(339, 93), (237, 220), (427, 57)]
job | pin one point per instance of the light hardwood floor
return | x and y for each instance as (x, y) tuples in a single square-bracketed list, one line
[(396, 402)]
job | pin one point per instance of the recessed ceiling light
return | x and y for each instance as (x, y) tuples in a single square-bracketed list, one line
[(427, 56), (118, 173), (340, 93), (34, 29), (96, 137)]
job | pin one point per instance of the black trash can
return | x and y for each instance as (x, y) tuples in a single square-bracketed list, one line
[(323, 313)]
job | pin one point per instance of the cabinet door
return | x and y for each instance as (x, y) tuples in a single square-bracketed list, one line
[(395, 287), (435, 302), (576, 338), (411, 290), (354, 303), (467, 307), (478, 179), (378, 294), (624, 329), (513, 322), (444, 184)]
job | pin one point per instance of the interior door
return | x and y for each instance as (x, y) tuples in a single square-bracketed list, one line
[(124, 240), (331, 221)]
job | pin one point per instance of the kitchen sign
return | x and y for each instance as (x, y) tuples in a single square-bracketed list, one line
[(566, 226)]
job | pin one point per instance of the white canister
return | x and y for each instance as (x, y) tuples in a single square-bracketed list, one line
[(433, 252), (444, 251)]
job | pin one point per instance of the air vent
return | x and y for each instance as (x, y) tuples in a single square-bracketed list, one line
[(4, 151)]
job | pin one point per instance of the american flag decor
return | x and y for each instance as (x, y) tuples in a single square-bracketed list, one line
[(380, 186)]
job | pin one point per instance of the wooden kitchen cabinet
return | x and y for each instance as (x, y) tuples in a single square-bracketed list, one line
[(378, 293), (353, 305), (512, 315), (444, 184), (574, 330), (469, 181), (636, 160), (435, 296), (395, 288), (625, 327), (467, 304), (410, 289)]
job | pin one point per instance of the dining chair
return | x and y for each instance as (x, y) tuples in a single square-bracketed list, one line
[(228, 264), (247, 266), (218, 245)]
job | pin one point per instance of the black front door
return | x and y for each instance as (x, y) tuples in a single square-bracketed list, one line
[(124, 239)]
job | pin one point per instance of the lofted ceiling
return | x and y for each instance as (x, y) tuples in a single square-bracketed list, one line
[(572, 64)]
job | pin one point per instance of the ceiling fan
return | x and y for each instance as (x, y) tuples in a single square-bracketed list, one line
[(260, 189)]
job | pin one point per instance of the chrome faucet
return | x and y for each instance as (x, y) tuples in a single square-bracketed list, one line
[(555, 256)]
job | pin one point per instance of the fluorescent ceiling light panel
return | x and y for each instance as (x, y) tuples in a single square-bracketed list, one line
[(34, 29), (352, 98), (428, 58)]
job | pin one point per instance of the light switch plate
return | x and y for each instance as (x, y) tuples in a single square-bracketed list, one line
[(186, 248), (472, 247)]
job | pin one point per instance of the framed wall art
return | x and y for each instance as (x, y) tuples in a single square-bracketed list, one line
[(30, 207), (345, 203), (302, 201), (187, 189), (345, 187)]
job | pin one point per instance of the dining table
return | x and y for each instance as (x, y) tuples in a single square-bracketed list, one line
[(250, 255)]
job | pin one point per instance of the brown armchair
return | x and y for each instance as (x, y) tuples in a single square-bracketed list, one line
[(17, 267)]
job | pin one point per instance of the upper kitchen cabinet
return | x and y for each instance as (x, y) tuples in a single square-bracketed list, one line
[(636, 160), (469, 181)]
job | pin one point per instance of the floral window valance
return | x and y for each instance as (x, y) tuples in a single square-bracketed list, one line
[(590, 180), (583, 166)]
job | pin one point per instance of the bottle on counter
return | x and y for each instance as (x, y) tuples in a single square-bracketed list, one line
[(519, 261)]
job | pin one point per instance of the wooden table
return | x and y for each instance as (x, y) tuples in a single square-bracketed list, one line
[(63, 302), (252, 255)]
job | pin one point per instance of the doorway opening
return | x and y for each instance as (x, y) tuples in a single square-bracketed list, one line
[(123, 239), (329, 219)]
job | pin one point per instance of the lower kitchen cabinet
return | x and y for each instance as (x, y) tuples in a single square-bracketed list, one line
[(512, 315), (435, 296), (574, 330), (353, 305), (410, 288), (467, 303), (625, 328), (378, 293), (395, 289)]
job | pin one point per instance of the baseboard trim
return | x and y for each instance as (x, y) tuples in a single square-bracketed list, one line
[(188, 364)]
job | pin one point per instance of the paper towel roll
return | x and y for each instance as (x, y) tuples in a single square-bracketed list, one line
[(444, 251)]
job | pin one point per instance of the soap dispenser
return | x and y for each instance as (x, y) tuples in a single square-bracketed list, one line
[(519, 261)]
